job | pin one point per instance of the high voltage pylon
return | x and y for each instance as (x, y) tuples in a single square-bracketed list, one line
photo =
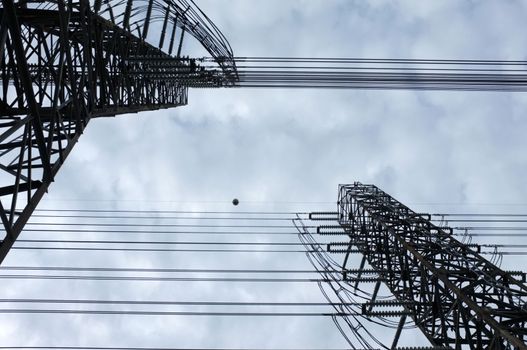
[(66, 62), (456, 297), (63, 63)]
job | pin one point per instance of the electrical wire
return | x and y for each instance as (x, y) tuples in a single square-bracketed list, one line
[(161, 279), (164, 313), (160, 232), (130, 211), (143, 270), (287, 244), (147, 348), (160, 250), (159, 302), (367, 73), (153, 225), (346, 301), (163, 217)]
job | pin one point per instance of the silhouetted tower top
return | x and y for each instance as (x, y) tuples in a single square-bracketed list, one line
[(65, 63)]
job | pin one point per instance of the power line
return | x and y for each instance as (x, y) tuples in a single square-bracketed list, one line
[(150, 348), (163, 232), (481, 214), (154, 225), (296, 244), (163, 250), (360, 73), (485, 220), (503, 228), (164, 217), (172, 313), (161, 270), (492, 245), (164, 279), (164, 302), (377, 60), (246, 233)]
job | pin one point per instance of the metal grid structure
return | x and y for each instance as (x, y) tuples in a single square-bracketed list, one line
[(457, 298), (64, 63)]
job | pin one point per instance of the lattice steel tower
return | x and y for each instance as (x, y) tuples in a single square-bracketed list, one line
[(63, 63), (444, 287)]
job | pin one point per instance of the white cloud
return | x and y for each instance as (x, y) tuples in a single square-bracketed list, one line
[(269, 147)]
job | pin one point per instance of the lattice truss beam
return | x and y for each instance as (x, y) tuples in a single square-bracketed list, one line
[(65, 62), (456, 297)]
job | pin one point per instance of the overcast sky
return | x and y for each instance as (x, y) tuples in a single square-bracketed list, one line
[(289, 149), (297, 145)]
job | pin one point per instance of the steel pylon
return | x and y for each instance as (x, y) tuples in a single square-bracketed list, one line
[(457, 298), (63, 63)]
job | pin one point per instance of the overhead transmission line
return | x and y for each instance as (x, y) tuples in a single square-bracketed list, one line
[(155, 222), (367, 73), (324, 271), (149, 348)]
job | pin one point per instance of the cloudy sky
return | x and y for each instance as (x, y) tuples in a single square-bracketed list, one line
[(289, 149), (297, 145)]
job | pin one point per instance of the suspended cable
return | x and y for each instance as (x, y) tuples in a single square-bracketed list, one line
[(486, 220), (161, 232), (377, 60), (170, 211), (164, 302), (363, 73), (163, 217), (162, 270), (482, 214), (296, 244), (142, 348), (162, 250), (165, 313), (154, 225), (504, 228), (247, 233), (215, 243), (162, 279)]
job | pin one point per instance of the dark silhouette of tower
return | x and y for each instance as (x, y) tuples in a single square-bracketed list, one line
[(456, 297), (64, 63)]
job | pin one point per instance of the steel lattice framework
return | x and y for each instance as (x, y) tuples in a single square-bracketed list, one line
[(456, 297), (63, 63)]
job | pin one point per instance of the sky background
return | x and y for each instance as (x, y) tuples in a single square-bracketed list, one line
[(298, 145), (289, 149)]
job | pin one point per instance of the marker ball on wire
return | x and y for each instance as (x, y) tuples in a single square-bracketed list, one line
[(235, 201)]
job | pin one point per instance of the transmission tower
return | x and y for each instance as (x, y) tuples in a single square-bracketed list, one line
[(457, 298), (65, 62)]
